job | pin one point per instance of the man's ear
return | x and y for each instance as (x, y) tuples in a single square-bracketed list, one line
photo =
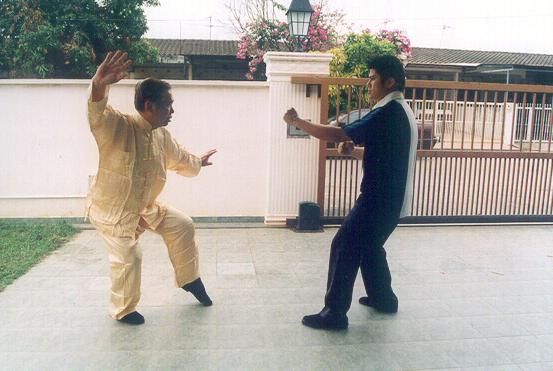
[(390, 83), (148, 106)]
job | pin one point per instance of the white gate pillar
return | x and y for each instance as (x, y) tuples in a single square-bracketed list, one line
[(293, 161)]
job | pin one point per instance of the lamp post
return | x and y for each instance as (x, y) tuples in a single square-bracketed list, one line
[(299, 17)]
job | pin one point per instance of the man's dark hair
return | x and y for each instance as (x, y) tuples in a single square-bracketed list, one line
[(149, 89), (389, 66)]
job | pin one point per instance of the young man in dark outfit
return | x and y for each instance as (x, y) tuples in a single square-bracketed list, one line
[(389, 135)]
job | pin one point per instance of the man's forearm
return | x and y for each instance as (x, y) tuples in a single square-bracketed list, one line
[(324, 132), (98, 91)]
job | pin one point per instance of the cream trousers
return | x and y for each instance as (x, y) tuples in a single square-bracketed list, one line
[(125, 257)]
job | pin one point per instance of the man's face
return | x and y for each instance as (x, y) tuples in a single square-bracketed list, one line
[(162, 111), (378, 89)]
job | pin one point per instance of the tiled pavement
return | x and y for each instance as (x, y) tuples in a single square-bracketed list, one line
[(471, 298)]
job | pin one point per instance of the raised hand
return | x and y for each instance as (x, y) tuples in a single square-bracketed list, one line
[(206, 156), (113, 69)]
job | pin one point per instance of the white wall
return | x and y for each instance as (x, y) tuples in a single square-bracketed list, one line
[(48, 153)]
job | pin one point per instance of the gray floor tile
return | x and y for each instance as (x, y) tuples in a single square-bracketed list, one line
[(477, 302)]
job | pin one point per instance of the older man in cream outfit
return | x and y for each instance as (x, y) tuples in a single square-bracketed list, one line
[(135, 153)]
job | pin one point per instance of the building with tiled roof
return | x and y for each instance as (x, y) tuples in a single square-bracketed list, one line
[(216, 59), (195, 60), (478, 65)]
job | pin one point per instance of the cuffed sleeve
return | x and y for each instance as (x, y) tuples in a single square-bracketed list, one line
[(179, 159)]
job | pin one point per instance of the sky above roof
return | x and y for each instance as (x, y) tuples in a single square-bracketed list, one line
[(495, 25)]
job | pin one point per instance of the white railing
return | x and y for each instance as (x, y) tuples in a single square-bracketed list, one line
[(484, 122)]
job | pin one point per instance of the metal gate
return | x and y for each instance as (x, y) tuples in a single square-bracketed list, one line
[(484, 151)]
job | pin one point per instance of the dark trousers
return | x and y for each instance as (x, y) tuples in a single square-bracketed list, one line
[(359, 243)]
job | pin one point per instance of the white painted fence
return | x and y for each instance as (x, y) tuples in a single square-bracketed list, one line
[(48, 153)]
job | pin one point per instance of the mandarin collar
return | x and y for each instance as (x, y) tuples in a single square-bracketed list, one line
[(142, 122), (395, 95)]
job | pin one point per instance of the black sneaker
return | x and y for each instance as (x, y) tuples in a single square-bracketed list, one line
[(389, 305), (133, 318), (326, 321), (197, 289)]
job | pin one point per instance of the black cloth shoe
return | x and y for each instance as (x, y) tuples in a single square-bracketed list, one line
[(325, 320), (133, 318), (197, 289), (389, 305)]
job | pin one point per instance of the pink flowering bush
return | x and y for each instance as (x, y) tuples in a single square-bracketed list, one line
[(264, 35), (397, 38)]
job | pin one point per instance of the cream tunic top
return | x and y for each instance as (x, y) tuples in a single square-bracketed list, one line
[(133, 163)]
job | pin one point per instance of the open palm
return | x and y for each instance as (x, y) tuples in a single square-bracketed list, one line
[(112, 69)]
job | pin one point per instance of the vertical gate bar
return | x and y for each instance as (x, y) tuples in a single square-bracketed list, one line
[(454, 206), (518, 184), (515, 102), (549, 188), (439, 195), (523, 116), (461, 188), (543, 208), (539, 208), (489, 183), (454, 118), (421, 134), (431, 180), (542, 123), (484, 120), (538, 167), (550, 127), (528, 187), (477, 169), (533, 185), (447, 203), (494, 117), (505, 98), (424, 203), (433, 129), (335, 180), (532, 122), (415, 170), (349, 104), (345, 187), (443, 121), (498, 190), (460, 185), (529, 172), (468, 191), (464, 120), (512, 186), (419, 160), (434, 190), (481, 177), (474, 120), (503, 190), (522, 186), (506, 204)]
